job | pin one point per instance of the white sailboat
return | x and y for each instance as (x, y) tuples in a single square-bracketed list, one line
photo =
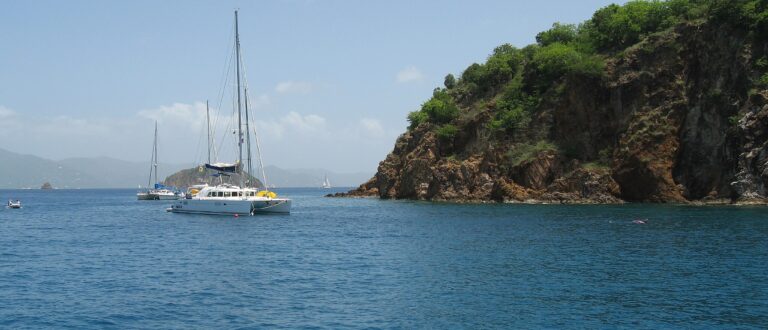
[(326, 183), (227, 198), (159, 192)]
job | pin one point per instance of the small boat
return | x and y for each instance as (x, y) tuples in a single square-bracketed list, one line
[(326, 183), (14, 204)]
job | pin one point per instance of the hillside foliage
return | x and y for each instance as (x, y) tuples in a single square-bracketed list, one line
[(513, 81)]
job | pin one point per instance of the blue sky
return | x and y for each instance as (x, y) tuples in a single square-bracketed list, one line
[(331, 81)]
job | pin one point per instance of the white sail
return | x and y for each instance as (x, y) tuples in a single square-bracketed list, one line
[(326, 182)]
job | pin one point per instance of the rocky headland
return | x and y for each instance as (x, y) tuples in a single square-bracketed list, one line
[(645, 102)]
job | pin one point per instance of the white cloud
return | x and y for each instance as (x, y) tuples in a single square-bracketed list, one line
[(293, 122), (409, 74), (372, 127), (5, 112), (301, 87), (178, 113), (304, 123)]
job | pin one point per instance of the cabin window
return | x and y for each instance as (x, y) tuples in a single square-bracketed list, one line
[(210, 194), (227, 194), (235, 193), (221, 194)]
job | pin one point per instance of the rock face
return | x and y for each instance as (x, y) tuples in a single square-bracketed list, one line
[(676, 118)]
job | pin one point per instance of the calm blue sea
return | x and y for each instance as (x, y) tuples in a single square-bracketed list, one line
[(101, 259)]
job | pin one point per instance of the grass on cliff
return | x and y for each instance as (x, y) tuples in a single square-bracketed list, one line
[(526, 151)]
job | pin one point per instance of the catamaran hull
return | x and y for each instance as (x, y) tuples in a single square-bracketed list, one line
[(154, 197), (145, 197), (167, 197), (231, 207)]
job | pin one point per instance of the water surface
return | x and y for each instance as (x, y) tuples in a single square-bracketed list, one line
[(101, 259)]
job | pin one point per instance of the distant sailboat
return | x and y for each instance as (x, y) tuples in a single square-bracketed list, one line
[(159, 192), (326, 183)]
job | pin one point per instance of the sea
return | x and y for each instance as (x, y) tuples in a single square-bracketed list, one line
[(101, 259)]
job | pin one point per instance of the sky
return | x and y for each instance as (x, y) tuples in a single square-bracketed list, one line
[(330, 82)]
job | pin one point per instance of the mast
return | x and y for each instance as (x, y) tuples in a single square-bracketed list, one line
[(248, 136), (154, 156), (151, 166), (239, 110), (208, 124)]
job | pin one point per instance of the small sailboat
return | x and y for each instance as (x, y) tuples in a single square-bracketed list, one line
[(326, 183), (243, 198), (159, 191), (14, 204)]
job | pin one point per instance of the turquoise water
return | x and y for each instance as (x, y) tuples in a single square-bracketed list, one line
[(101, 259)]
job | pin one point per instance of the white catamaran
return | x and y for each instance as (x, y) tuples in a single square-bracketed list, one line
[(226, 198)]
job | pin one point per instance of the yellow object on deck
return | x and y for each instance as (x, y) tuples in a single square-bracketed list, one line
[(194, 192), (266, 193)]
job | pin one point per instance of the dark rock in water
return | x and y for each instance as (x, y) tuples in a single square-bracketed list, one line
[(46, 186), (679, 117)]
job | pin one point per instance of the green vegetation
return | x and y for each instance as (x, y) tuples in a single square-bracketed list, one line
[(527, 151), (734, 120), (446, 132), (416, 118), (440, 109), (514, 108), (615, 27), (595, 166), (559, 33), (512, 83), (556, 60), (450, 81)]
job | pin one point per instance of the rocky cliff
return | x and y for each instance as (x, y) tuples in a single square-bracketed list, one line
[(680, 115)]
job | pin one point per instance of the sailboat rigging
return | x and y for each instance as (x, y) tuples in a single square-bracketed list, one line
[(243, 198), (159, 191)]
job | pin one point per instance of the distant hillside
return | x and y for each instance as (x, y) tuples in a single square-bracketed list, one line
[(119, 173), (27, 171)]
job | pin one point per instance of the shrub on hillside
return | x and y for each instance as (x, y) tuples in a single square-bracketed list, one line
[(555, 60), (447, 132)]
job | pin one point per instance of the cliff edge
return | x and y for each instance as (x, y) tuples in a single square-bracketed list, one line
[(645, 102)]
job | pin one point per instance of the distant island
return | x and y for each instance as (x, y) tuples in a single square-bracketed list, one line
[(46, 186), (194, 176), (651, 101)]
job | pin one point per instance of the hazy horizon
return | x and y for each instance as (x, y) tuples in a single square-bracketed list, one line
[(331, 82)]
